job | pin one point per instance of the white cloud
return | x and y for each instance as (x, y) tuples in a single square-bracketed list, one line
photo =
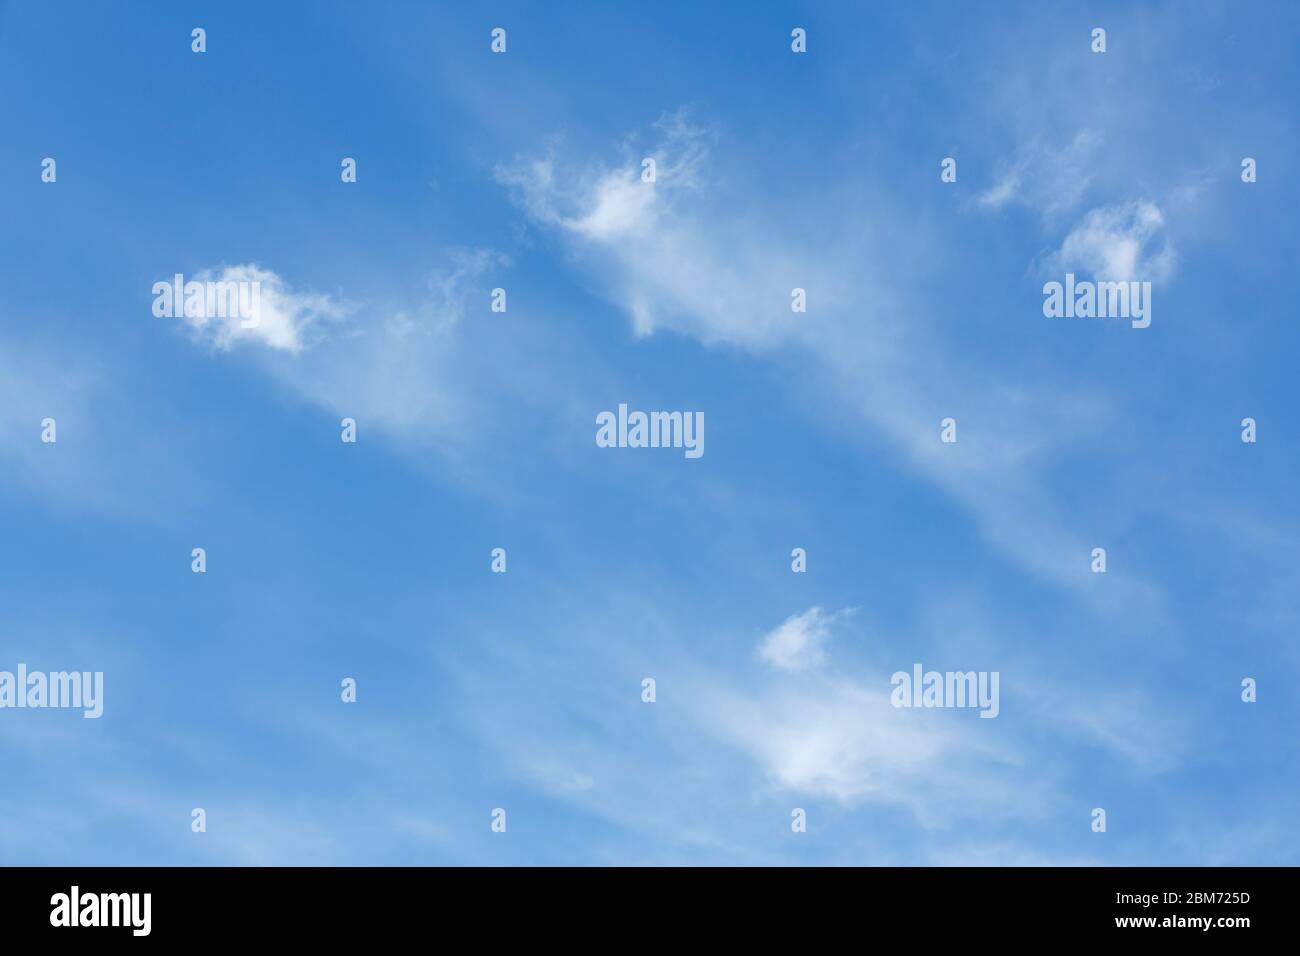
[(729, 742), (844, 740), (646, 230), (607, 204), (841, 738), (622, 205), (281, 319), (1118, 244), (798, 643)]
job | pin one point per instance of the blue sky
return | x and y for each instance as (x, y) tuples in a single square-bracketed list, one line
[(476, 430)]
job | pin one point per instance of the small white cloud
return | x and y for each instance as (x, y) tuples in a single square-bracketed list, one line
[(798, 643), (279, 318), (1118, 244), (607, 204)]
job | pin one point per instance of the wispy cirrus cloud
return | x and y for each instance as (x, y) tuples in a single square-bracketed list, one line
[(710, 266), (764, 733), (1050, 180)]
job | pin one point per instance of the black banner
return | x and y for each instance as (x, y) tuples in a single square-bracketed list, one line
[(1174, 905)]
